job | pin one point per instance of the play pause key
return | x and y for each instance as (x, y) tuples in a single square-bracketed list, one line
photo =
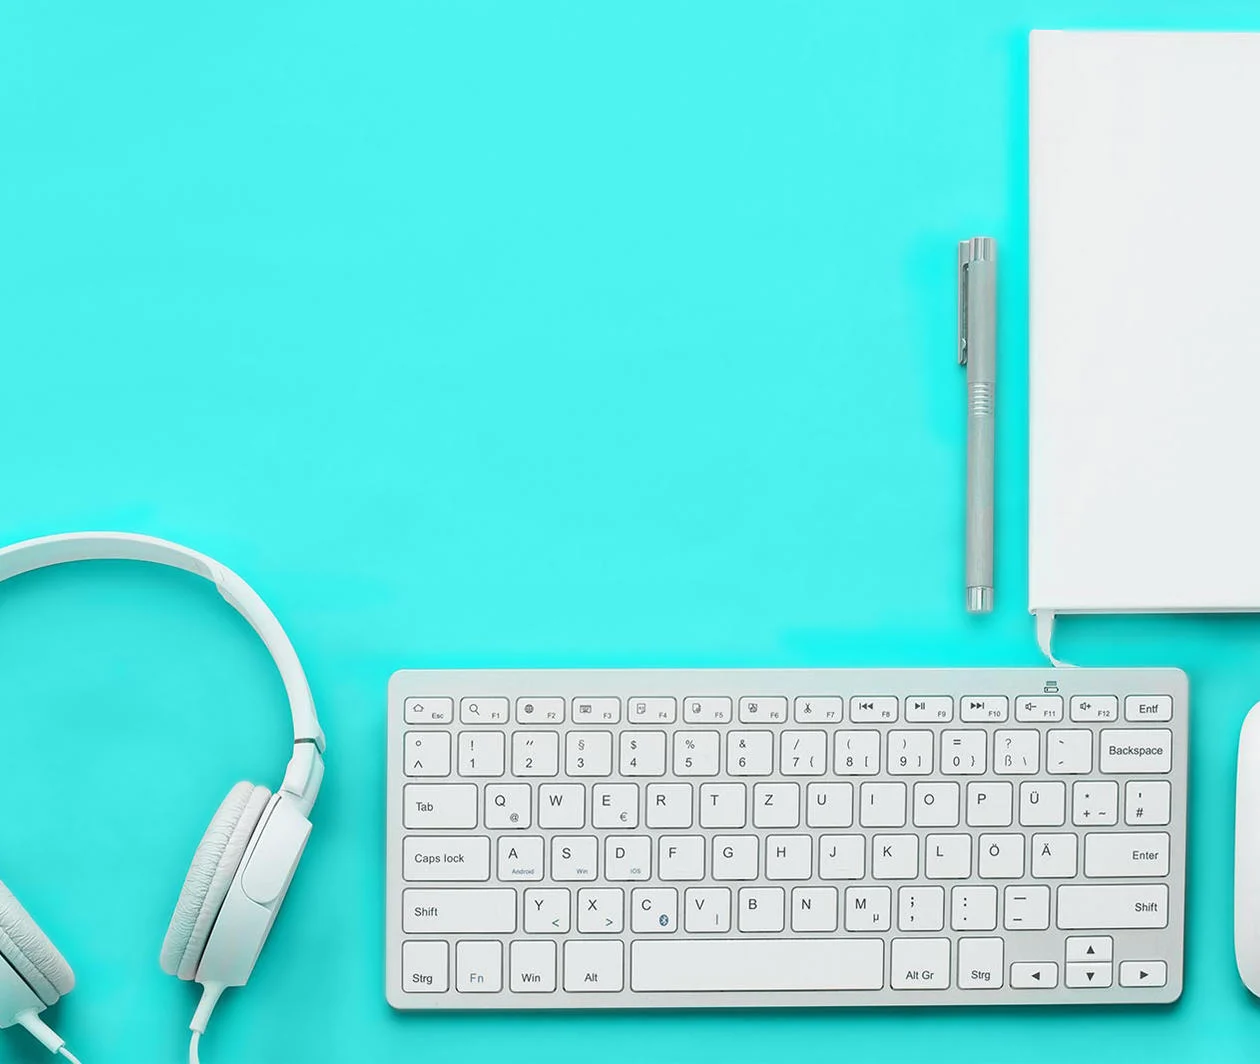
[(1143, 973)]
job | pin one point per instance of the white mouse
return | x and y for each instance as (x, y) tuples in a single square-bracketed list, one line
[(1247, 854)]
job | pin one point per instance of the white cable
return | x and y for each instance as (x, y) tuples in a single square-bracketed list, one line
[(68, 1055), (192, 1048)]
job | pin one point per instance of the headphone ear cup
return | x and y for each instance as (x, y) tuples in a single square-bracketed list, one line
[(31, 952), (213, 866)]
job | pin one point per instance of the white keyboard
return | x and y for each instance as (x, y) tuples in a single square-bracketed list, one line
[(569, 839)]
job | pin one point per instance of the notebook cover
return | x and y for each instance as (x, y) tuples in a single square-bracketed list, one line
[(1144, 322)]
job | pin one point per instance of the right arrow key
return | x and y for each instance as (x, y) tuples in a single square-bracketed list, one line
[(1143, 973)]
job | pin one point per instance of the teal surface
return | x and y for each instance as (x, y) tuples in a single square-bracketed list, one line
[(508, 334)]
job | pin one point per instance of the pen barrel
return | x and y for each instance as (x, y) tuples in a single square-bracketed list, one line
[(980, 496)]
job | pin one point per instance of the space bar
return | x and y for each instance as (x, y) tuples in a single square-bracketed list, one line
[(759, 964)]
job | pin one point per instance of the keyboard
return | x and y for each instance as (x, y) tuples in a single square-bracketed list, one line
[(643, 838)]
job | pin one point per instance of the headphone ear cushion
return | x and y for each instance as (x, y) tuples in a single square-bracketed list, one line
[(214, 864), (30, 952)]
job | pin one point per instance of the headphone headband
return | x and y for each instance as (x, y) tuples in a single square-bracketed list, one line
[(306, 768)]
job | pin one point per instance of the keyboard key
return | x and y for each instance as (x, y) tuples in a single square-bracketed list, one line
[(882, 805), (1089, 949), (546, 911), (520, 858), (440, 805), (1026, 908), (1042, 804), (1135, 750), (643, 753), (980, 965), (652, 710), (669, 805), (1039, 709), (681, 857), (479, 967), (973, 908), (593, 967), (483, 710), (829, 805), (536, 753), (615, 805), (427, 753), (1034, 975), (989, 805), (1069, 751), (841, 857), (991, 709), (789, 856), (562, 805), (600, 710), (909, 753), (1148, 708), (452, 910), (574, 857), (756, 964), (803, 753), (588, 753), (761, 910), (707, 910), (547, 711), (776, 805), (697, 753), (627, 857), (814, 909), (508, 805), (936, 805), (929, 709), (963, 752), (920, 964), (601, 910), (425, 967), (1053, 856), (532, 967), (1103, 906), (857, 753), (707, 710), (723, 805), (920, 908), (749, 753), (1119, 855), (881, 709), (818, 709), (654, 910), (867, 908), (1016, 752), (1095, 802), (428, 710), (894, 856), (1147, 802), (1088, 709), (1143, 973), (1000, 856), (758, 709), (947, 856), (1088, 976), (481, 753), (735, 857), (446, 857)]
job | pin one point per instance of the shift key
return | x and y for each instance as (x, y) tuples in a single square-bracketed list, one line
[(429, 912), (1106, 905)]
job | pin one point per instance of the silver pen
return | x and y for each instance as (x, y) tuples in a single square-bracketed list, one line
[(977, 350)]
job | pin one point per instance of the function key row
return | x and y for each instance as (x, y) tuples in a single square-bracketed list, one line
[(773, 709)]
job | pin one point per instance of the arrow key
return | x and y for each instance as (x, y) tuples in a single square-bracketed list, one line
[(1089, 976), (1034, 975), (1143, 973), (1089, 949)]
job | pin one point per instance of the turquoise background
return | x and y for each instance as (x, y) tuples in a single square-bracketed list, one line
[(508, 334)]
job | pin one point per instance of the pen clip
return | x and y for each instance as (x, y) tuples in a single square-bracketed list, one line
[(977, 249)]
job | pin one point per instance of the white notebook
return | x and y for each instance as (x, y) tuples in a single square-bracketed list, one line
[(1144, 322)]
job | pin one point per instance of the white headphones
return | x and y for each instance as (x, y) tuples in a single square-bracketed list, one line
[(246, 860)]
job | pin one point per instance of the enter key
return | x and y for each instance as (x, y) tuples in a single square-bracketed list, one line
[(1126, 854)]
